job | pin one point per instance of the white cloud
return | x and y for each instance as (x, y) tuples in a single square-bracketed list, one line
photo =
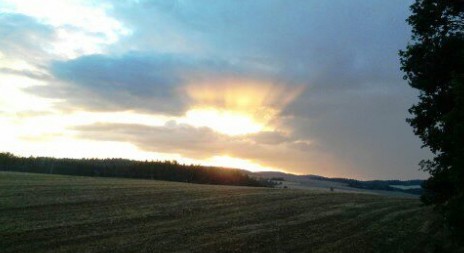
[(82, 27)]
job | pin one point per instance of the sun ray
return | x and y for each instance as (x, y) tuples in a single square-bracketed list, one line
[(236, 107), (223, 121)]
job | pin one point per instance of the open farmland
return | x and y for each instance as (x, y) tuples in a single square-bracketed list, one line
[(43, 213)]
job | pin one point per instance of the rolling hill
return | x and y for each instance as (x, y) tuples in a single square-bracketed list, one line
[(398, 188)]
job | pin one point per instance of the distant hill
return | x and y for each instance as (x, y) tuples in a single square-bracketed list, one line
[(174, 171), (315, 181), (415, 186)]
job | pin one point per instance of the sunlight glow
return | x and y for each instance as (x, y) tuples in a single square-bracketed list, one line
[(55, 124), (13, 99), (238, 107), (34, 126), (226, 122), (260, 97), (232, 162)]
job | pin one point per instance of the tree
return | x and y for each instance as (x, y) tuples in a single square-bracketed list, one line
[(434, 64)]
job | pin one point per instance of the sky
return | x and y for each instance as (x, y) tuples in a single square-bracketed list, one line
[(305, 87)]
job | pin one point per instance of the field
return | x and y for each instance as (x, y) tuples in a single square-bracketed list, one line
[(52, 213)]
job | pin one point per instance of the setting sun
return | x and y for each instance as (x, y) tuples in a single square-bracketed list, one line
[(233, 162), (219, 126), (237, 106)]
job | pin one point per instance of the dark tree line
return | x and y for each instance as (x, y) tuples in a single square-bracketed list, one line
[(434, 64), (159, 170)]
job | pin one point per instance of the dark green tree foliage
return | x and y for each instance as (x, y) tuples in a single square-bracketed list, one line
[(159, 170), (434, 64)]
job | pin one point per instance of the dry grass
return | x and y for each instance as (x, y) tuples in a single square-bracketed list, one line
[(50, 213)]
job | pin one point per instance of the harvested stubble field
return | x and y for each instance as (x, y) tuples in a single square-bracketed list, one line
[(52, 213)]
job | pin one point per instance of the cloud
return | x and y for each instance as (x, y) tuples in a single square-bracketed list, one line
[(331, 47), (203, 143), (80, 27), (270, 137), (135, 81), (24, 38), (367, 131), (303, 40), (158, 83), (26, 73), (348, 121)]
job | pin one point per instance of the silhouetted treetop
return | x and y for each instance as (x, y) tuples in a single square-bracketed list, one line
[(434, 64)]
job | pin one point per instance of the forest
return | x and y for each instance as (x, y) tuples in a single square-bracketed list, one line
[(155, 170)]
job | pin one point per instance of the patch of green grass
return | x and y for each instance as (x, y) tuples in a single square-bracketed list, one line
[(52, 213)]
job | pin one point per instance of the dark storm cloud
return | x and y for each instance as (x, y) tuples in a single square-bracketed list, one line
[(366, 131), (311, 41)]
